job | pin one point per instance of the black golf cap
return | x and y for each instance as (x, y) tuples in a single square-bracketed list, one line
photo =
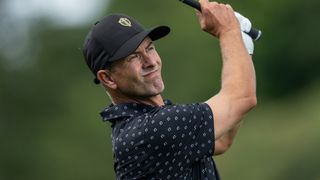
[(115, 37)]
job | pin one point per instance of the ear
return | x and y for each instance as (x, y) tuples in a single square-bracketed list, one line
[(106, 79)]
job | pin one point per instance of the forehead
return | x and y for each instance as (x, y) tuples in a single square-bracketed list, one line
[(145, 42)]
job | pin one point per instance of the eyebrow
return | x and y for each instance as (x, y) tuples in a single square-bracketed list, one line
[(149, 44)]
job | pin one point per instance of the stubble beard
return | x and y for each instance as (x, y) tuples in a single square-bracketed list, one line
[(147, 90)]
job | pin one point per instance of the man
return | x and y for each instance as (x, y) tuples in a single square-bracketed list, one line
[(153, 138)]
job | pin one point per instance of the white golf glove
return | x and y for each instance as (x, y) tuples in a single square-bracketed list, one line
[(245, 26)]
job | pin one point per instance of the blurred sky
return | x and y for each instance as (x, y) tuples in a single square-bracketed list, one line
[(60, 12), (18, 18)]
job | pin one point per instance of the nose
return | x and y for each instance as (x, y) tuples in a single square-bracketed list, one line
[(148, 60)]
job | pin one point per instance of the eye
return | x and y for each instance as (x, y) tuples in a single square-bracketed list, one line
[(132, 56), (150, 48)]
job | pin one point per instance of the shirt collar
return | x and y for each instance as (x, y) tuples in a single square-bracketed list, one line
[(120, 111)]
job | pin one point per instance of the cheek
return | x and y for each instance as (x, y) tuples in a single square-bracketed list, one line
[(158, 58), (128, 76)]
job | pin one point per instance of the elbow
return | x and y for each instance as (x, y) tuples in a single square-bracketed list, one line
[(253, 102), (247, 104), (250, 101)]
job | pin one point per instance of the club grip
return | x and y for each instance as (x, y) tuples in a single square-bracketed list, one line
[(192, 3), (254, 33)]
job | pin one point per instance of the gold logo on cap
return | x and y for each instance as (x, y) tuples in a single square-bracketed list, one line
[(125, 22)]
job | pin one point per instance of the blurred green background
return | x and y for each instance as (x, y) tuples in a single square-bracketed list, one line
[(49, 123)]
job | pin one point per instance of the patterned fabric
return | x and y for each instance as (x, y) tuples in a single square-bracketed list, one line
[(162, 142)]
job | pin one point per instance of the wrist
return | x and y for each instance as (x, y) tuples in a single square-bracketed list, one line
[(230, 34)]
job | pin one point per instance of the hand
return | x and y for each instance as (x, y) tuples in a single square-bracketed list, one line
[(217, 19)]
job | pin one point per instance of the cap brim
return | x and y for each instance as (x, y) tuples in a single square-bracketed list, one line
[(132, 44)]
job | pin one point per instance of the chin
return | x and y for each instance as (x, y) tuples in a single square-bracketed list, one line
[(158, 85), (159, 88), (155, 91)]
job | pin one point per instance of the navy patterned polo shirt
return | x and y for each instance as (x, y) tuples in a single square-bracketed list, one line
[(162, 142)]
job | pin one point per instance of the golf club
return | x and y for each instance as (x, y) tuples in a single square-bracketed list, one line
[(254, 33)]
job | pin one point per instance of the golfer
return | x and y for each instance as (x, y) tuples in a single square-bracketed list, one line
[(153, 138)]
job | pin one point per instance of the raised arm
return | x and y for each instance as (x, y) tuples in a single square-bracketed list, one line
[(238, 86)]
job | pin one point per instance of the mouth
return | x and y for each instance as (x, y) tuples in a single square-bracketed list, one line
[(150, 73)]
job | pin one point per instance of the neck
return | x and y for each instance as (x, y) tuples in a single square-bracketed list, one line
[(152, 101)]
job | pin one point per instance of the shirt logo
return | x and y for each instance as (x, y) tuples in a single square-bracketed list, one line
[(125, 22)]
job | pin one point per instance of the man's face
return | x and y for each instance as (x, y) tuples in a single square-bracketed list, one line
[(139, 74)]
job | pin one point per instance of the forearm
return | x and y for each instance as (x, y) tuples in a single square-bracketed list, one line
[(238, 90), (238, 74)]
